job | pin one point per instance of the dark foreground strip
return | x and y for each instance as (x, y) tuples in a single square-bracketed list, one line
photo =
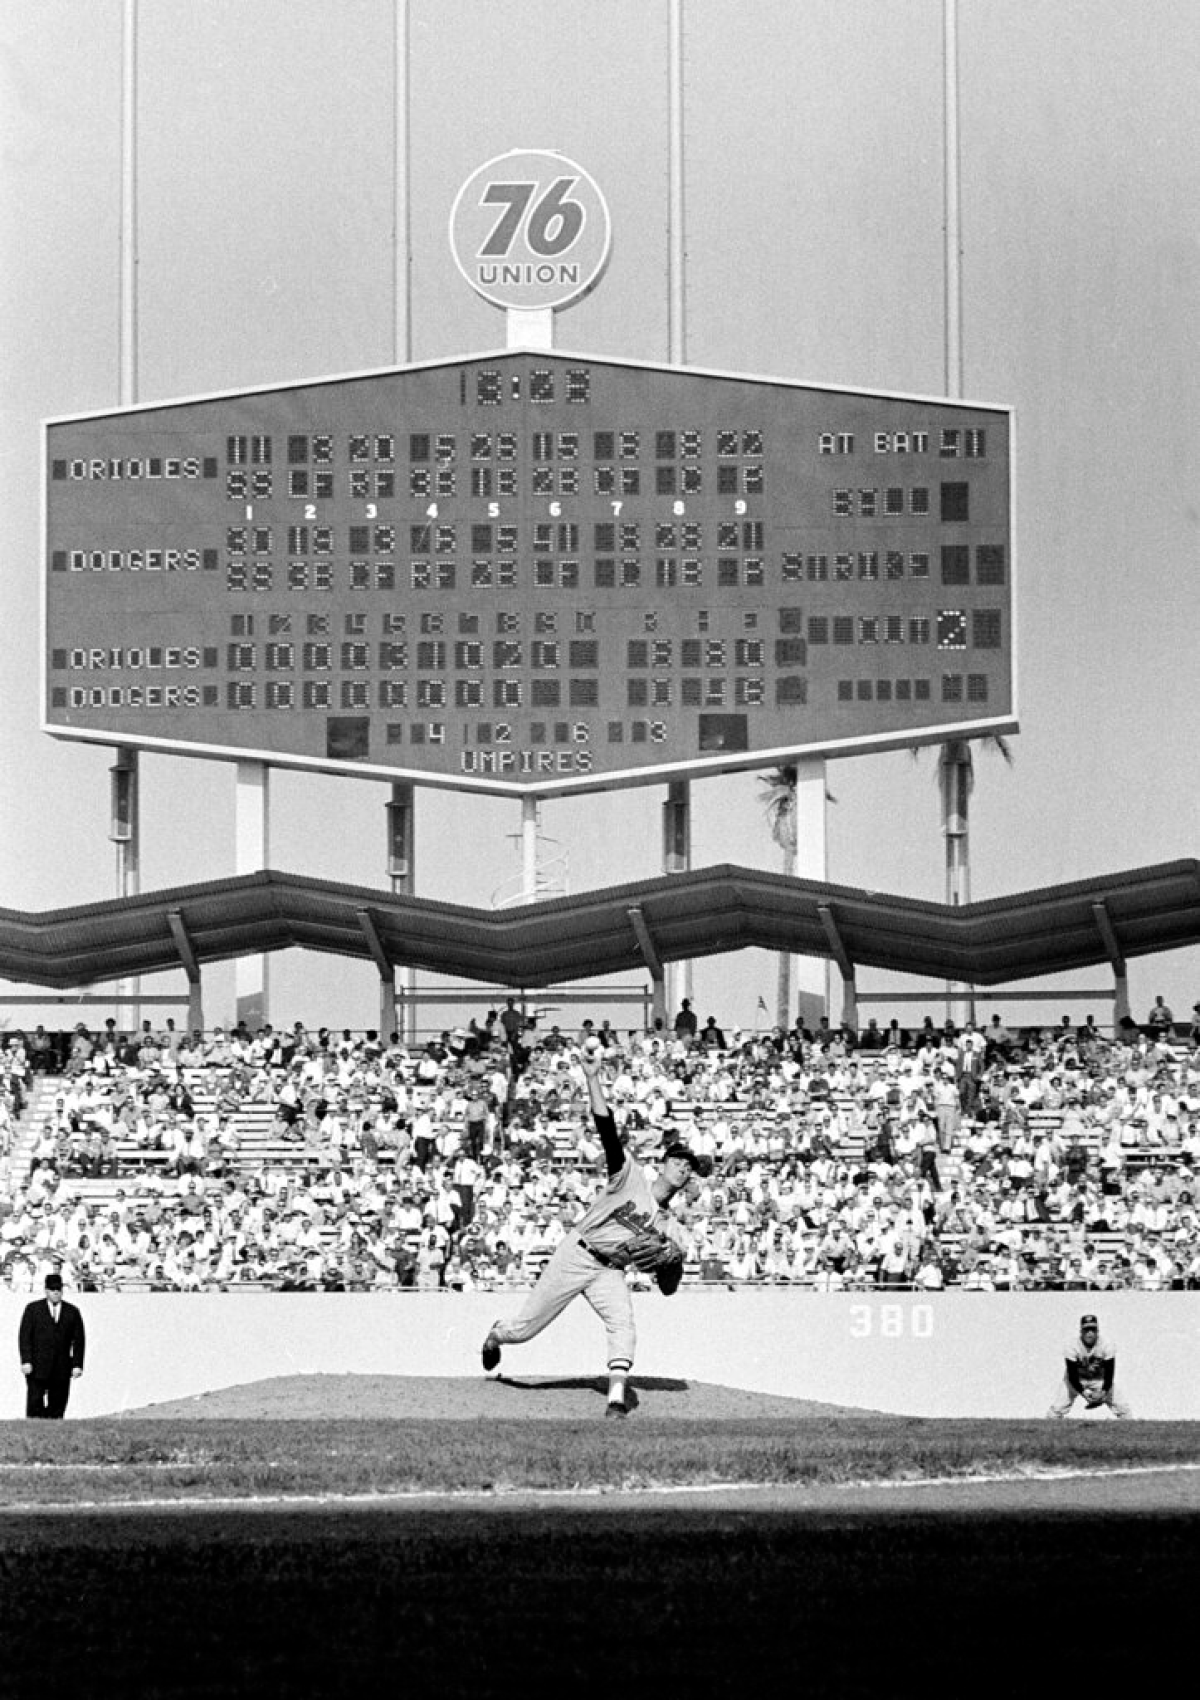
[(598, 1602)]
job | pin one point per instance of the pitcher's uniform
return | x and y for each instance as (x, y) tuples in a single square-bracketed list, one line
[(582, 1261), (1090, 1373)]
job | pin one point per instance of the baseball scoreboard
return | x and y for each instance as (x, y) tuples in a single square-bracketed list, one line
[(530, 573)]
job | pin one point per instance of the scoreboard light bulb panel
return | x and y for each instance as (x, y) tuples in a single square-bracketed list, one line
[(530, 573)]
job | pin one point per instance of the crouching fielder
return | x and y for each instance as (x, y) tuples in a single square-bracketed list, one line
[(1091, 1372), (626, 1226)]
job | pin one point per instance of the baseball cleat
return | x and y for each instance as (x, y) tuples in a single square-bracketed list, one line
[(615, 1409), (490, 1355)]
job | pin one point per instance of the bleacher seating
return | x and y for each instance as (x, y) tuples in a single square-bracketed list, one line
[(773, 1114)]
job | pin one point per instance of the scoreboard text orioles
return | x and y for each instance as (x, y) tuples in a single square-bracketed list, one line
[(530, 573)]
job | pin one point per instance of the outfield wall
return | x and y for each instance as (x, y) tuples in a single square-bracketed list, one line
[(940, 1355)]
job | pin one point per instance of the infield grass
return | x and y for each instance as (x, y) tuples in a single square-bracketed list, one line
[(104, 1461)]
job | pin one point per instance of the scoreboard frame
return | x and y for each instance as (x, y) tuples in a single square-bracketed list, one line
[(549, 776)]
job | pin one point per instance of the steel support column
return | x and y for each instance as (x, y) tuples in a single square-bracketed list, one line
[(658, 1010), (1116, 957), (191, 965), (387, 973), (841, 956)]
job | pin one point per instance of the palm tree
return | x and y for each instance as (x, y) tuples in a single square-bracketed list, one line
[(780, 804)]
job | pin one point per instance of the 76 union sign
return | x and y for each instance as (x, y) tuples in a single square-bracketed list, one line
[(530, 231)]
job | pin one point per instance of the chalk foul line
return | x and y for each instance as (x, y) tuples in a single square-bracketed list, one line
[(577, 1491)]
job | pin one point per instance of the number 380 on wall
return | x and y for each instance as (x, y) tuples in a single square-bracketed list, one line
[(891, 1321)]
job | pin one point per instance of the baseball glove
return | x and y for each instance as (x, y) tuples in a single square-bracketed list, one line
[(657, 1255), (648, 1252)]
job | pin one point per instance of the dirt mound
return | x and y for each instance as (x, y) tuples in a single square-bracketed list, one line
[(444, 1398)]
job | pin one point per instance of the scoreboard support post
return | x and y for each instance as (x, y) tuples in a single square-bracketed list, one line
[(677, 859), (401, 867), (252, 845), (813, 973), (954, 775), (529, 862), (125, 833), (529, 328)]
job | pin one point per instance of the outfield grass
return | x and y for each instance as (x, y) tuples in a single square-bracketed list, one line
[(105, 1461)]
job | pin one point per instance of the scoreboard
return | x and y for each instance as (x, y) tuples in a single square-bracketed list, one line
[(530, 572)]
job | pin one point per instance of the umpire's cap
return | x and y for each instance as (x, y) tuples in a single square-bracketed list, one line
[(701, 1166)]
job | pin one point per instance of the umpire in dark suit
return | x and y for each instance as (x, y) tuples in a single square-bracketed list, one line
[(51, 1343)]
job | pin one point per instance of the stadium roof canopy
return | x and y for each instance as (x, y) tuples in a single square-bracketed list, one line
[(677, 917)]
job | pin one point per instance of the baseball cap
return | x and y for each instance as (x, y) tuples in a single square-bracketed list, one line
[(700, 1165), (1088, 1322), (54, 1282)]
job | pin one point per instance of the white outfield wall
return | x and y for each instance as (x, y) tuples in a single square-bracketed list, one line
[(939, 1355)]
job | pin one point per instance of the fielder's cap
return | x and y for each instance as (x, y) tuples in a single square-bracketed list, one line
[(700, 1165), (1088, 1321)]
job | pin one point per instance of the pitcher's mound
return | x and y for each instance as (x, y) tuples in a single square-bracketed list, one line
[(445, 1398)]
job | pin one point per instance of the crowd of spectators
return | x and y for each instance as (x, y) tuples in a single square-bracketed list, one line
[(305, 1160)]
